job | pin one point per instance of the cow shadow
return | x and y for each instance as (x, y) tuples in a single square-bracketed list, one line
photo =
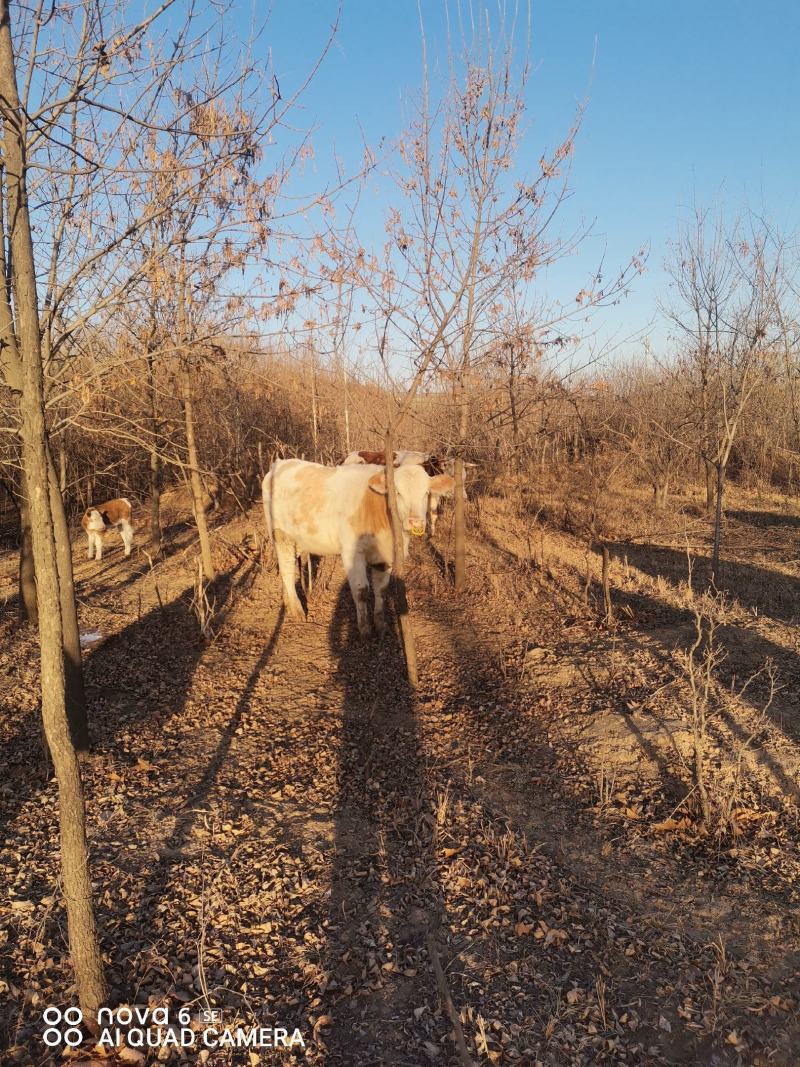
[(386, 898)]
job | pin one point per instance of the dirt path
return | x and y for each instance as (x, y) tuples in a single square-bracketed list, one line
[(278, 823)]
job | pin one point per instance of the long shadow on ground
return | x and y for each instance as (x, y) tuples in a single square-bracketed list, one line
[(139, 677), (753, 586), (385, 895)]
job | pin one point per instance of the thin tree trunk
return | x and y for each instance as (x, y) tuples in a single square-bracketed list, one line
[(608, 609), (459, 534), (27, 572), (346, 409), (399, 568), (62, 466), (709, 485), (459, 531), (660, 490), (196, 482), (717, 524), (314, 419), (71, 635), (155, 461), (36, 460)]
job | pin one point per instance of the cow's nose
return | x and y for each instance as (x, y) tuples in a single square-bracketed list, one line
[(416, 527)]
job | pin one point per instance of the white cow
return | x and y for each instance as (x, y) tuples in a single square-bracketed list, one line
[(343, 511), (433, 465)]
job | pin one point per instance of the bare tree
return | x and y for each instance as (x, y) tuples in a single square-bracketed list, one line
[(37, 463), (724, 315), (468, 230)]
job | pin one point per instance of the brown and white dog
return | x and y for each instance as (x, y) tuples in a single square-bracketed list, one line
[(113, 515)]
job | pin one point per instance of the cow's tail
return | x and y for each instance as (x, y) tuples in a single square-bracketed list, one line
[(266, 496)]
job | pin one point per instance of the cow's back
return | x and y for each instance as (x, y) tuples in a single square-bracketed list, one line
[(319, 509)]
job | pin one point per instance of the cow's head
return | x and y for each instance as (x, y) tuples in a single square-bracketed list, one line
[(412, 485), (94, 520)]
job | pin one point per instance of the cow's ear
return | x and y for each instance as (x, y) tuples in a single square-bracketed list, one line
[(442, 484), (377, 482)]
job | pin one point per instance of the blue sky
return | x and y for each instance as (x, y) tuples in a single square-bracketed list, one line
[(687, 101)]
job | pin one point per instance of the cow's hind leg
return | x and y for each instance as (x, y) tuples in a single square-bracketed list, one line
[(287, 565), (126, 533), (380, 580), (359, 586)]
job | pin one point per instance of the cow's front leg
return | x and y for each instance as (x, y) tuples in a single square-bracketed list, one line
[(433, 513), (356, 568), (287, 565), (98, 547), (90, 549), (380, 581)]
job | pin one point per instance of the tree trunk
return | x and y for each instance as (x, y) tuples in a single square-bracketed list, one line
[(660, 491), (314, 418), (399, 568), (459, 530), (36, 461), (156, 534), (710, 492), (62, 466), (512, 398), (71, 635), (155, 461), (608, 609), (196, 482), (459, 533), (346, 409), (717, 524), (27, 572)]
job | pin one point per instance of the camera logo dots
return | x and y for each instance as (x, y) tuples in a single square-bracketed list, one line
[(62, 1027)]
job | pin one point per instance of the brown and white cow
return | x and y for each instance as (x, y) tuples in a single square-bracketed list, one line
[(432, 464), (343, 511), (98, 520)]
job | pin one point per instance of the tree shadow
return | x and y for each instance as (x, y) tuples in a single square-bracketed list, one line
[(193, 797), (765, 520), (755, 587), (135, 567), (136, 680), (142, 673), (445, 567), (385, 891), (746, 653)]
